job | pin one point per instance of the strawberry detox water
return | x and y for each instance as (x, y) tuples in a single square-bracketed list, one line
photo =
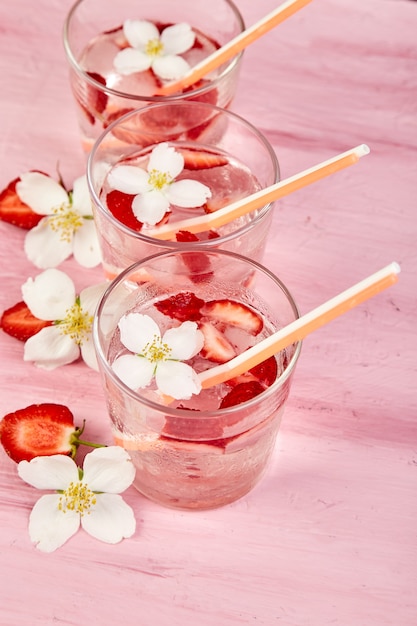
[(94, 35), (218, 149), (210, 448)]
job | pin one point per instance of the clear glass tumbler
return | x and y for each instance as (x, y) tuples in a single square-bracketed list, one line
[(220, 150), (210, 449), (94, 35)]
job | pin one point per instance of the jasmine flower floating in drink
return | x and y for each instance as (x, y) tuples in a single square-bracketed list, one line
[(152, 355), (156, 188), (150, 49)]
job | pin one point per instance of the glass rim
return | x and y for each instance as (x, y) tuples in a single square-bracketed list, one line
[(184, 413), (229, 66), (210, 243)]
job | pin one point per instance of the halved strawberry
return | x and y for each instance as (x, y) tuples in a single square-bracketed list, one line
[(14, 211), (193, 428), (19, 322), (241, 393), (234, 314), (197, 262), (120, 205), (185, 236), (202, 159), (265, 373), (90, 99), (183, 306), (216, 347), (38, 430), (113, 116), (96, 99), (214, 204)]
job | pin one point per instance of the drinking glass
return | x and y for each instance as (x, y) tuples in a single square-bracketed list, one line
[(221, 150), (93, 35), (212, 448)]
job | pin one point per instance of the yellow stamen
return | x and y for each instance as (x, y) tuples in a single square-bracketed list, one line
[(77, 323), (154, 48), (158, 180), (65, 220), (77, 497), (157, 350)]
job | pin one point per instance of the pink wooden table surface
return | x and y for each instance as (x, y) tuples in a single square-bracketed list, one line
[(329, 535)]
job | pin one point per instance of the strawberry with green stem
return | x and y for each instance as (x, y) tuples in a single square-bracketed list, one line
[(41, 430)]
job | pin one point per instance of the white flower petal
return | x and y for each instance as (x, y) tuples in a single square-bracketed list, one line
[(177, 38), (130, 61), (48, 472), (164, 158), (185, 340), (50, 349), (42, 193), (111, 519), (86, 248), (88, 354), (108, 469), (188, 193), (170, 67), (129, 179), (150, 208), (49, 295), (139, 32), (177, 380), (136, 372), (90, 296), (81, 199), (50, 528), (44, 247), (137, 330)]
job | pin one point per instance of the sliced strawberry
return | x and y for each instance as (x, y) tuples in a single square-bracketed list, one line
[(234, 314), (96, 98), (185, 236), (182, 307), (241, 393), (197, 262), (14, 211), (265, 373), (120, 205), (192, 428), (214, 204), (208, 97), (202, 159), (216, 347), (113, 116), (38, 430), (19, 322)]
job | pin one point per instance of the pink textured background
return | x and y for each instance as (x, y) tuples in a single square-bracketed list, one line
[(329, 535)]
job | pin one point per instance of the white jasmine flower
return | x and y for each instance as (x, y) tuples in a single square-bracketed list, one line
[(68, 226), (88, 497), (149, 49), (51, 296), (156, 189), (158, 356)]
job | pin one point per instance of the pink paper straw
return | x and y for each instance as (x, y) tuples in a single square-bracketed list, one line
[(303, 326), (234, 46), (259, 199)]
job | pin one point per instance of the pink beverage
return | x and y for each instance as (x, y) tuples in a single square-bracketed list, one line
[(218, 156), (94, 35), (211, 447)]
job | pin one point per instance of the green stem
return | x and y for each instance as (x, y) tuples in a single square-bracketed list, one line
[(81, 442)]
